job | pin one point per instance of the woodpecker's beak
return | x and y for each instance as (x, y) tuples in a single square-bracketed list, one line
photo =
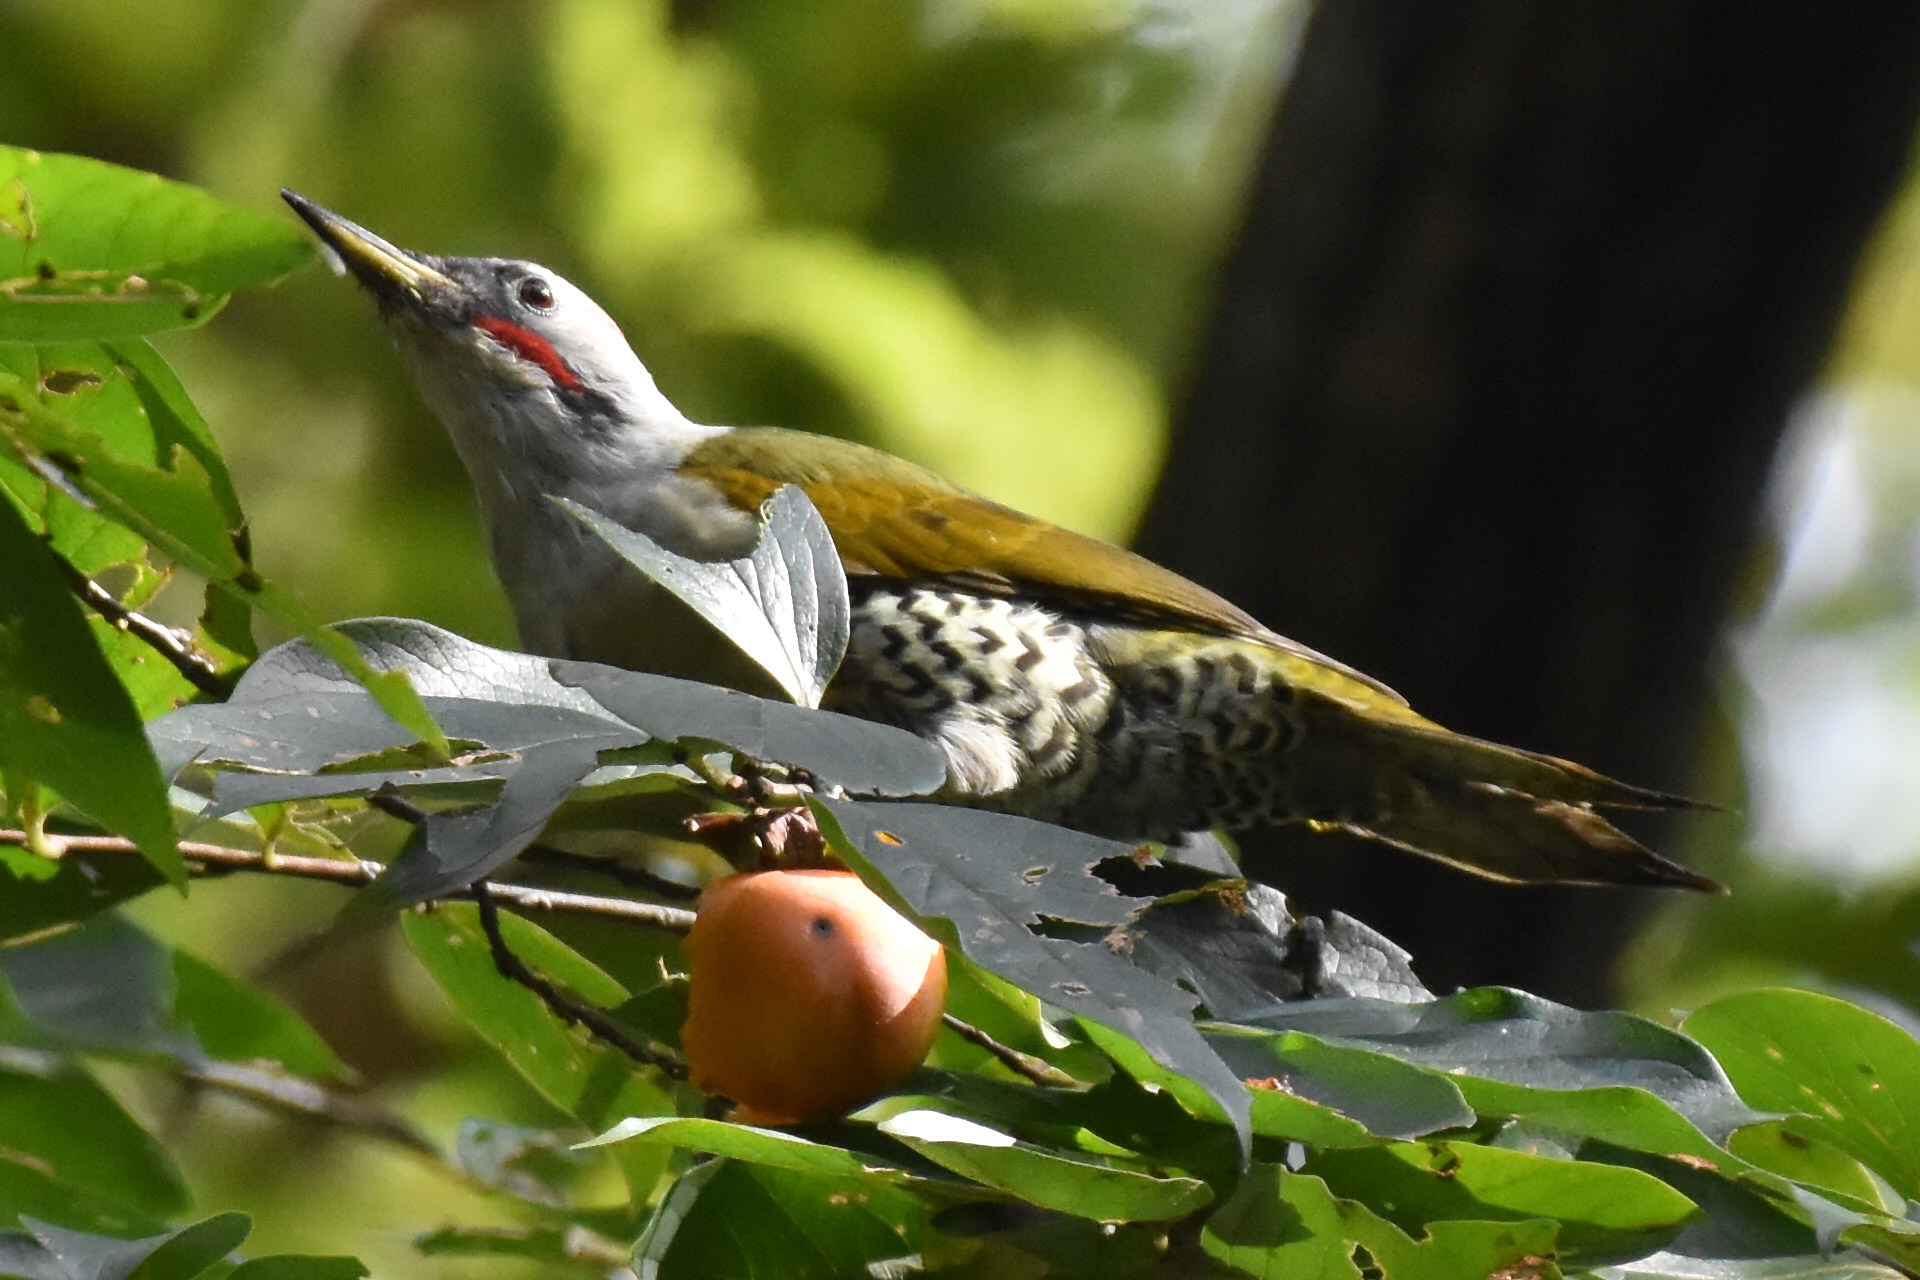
[(381, 267)]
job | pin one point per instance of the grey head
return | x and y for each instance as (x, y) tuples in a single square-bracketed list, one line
[(534, 381), (544, 398)]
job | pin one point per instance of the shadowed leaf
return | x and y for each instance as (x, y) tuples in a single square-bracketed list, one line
[(784, 604)]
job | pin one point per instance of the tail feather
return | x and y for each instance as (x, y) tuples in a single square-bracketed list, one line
[(1494, 811)]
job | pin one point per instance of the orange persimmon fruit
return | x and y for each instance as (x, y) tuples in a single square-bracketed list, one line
[(809, 995)]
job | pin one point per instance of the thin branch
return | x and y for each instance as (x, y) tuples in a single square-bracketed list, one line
[(175, 646), (563, 1006), (618, 872), (1035, 1069), (215, 859), (391, 802), (291, 1094), (398, 806)]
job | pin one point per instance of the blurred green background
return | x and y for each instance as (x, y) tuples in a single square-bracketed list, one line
[(978, 233)]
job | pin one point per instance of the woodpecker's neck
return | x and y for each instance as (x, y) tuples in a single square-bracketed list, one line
[(615, 444)]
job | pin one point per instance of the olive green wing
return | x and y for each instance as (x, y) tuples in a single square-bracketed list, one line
[(891, 519)]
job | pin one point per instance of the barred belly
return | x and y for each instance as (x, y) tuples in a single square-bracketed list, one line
[(1109, 728)]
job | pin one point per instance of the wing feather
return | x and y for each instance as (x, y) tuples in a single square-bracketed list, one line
[(894, 520)]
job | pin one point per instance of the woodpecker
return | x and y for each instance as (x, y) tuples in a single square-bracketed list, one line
[(1062, 678)]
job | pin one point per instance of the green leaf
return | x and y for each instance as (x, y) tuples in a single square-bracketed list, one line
[(92, 250), (174, 502), (725, 1220), (1606, 1213), (1852, 1075), (237, 1022), (1387, 1096), (1512, 1037), (1286, 1226), (64, 717), (557, 1061), (1624, 1116), (297, 711), (61, 1125), (771, 1148), (121, 399), (1899, 1247), (784, 604), (83, 885), (1774, 1145), (28, 1194), (1085, 1186), (1751, 1215), (556, 1247), (191, 1250)]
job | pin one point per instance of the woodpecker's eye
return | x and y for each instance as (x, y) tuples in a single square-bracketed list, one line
[(535, 293)]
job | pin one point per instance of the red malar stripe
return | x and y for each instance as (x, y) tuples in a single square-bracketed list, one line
[(529, 346)]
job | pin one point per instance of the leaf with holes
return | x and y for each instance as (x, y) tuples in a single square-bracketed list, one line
[(94, 250), (1849, 1076), (995, 880)]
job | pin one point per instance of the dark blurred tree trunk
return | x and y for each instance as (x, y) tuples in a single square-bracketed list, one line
[(1497, 367)]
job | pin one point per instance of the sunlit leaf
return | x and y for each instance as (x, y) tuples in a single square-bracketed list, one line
[(64, 717), (92, 250), (1606, 1213), (124, 396), (1844, 1265), (1086, 1186), (451, 850), (771, 1148), (1289, 1226), (1240, 947), (1897, 1245), (1852, 1075), (559, 1062), (1619, 1114), (1776, 1146), (175, 504), (1387, 1096)]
